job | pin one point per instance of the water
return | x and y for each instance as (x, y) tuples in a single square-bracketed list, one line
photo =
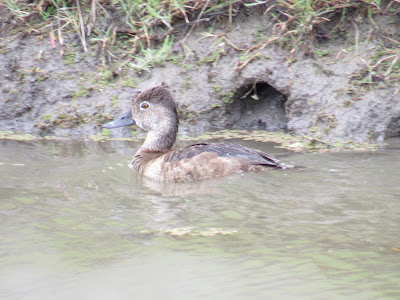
[(76, 223)]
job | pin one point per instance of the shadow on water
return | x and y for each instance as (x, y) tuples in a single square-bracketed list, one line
[(75, 220)]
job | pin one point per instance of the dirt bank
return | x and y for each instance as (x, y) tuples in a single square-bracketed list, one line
[(49, 90)]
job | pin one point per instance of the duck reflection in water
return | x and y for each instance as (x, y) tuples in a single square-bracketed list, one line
[(154, 110)]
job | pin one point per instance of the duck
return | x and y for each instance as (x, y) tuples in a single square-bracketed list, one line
[(155, 111)]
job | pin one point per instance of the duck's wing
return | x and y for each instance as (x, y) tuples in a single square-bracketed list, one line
[(252, 156), (187, 152), (270, 158)]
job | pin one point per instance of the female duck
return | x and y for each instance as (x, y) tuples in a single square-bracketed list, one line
[(154, 110)]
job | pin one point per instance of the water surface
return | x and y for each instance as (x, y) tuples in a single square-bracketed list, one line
[(76, 223)]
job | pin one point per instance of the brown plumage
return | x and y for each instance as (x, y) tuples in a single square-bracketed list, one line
[(154, 110)]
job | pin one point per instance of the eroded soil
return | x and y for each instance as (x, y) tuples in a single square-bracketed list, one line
[(63, 91)]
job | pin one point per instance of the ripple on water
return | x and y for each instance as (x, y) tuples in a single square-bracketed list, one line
[(73, 215)]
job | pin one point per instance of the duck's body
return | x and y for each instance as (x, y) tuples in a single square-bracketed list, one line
[(155, 111), (201, 161)]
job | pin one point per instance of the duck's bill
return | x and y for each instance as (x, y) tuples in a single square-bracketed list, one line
[(125, 120)]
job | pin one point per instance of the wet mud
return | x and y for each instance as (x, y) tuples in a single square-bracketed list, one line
[(46, 90)]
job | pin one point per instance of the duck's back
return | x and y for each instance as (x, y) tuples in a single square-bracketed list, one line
[(206, 161)]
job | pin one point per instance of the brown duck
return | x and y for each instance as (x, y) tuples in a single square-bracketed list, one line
[(154, 110)]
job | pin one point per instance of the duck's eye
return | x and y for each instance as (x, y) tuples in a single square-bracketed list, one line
[(144, 105)]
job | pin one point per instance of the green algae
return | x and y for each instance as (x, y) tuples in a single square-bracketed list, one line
[(191, 231), (9, 135), (25, 200), (285, 140), (105, 136)]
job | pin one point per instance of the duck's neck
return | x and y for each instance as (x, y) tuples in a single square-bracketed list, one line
[(161, 139)]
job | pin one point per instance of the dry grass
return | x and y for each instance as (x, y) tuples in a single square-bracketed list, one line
[(137, 32)]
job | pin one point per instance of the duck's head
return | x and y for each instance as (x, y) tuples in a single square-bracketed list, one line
[(154, 110)]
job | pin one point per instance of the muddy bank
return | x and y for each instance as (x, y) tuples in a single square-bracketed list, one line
[(215, 84)]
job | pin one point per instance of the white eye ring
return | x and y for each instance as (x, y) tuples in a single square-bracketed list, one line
[(144, 105)]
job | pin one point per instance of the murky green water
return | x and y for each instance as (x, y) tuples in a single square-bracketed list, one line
[(77, 224)]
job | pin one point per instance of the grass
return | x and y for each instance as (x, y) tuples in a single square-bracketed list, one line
[(140, 21), (152, 57), (300, 20), (140, 34), (381, 69)]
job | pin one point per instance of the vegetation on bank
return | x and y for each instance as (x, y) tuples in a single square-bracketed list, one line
[(140, 34)]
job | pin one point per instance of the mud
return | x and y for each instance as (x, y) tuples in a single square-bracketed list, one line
[(45, 93)]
